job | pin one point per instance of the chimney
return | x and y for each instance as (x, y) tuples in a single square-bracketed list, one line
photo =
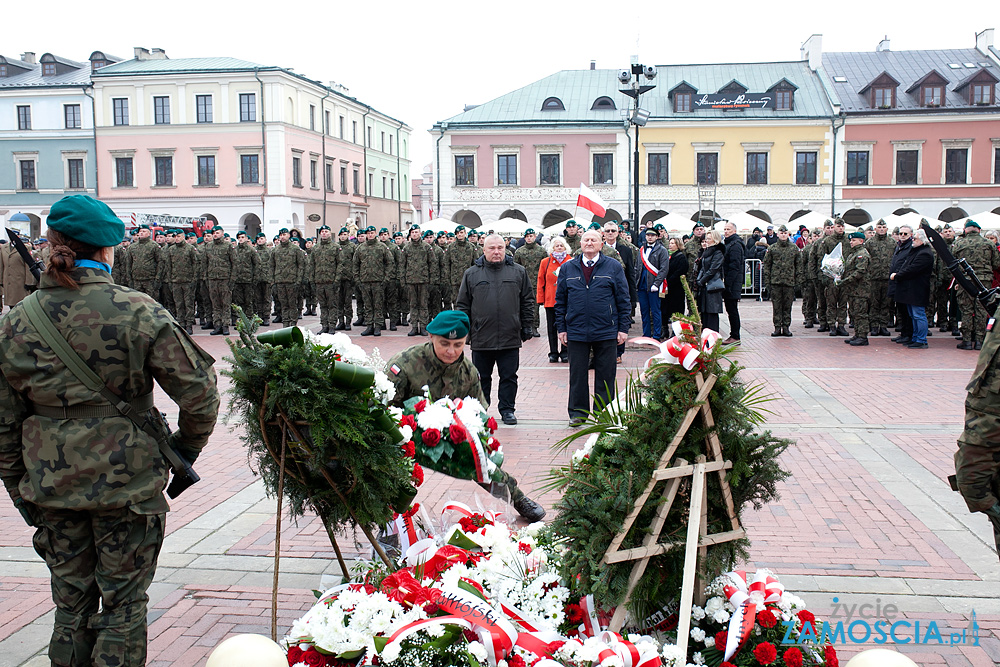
[(158, 54), (984, 40), (883, 45), (593, 64), (29, 57), (812, 50), (141, 53)]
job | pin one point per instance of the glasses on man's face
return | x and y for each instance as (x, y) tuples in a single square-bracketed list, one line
[(904, 235)]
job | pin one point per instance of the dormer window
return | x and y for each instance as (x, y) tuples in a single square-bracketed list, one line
[(981, 93), (682, 102), (883, 98), (48, 69), (783, 100), (3, 70), (603, 104), (553, 104), (97, 64), (932, 96)]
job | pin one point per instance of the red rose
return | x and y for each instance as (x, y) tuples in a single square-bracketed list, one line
[(727, 664), (313, 658), (431, 437), (765, 653), (457, 434), (408, 420), (792, 657), (516, 661), (524, 548), (417, 475), (419, 407), (410, 449), (491, 424), (767, 619), (720, 640), (830, 655), (294, 654), (493, 444)]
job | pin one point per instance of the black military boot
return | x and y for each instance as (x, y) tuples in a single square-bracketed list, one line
[(859, 342), (325, 330), (188, 330), (776, 332), (217, 331), (823, 328), (872, 332), (370, 331), (358, 322), (882, 331), (808, 324), (420, 330), (534, 333), (340, 325), (392, 325), (850, 340), (377, 332), (841, 331), (414, 331), (966, 345), (225, 331), (207, 325), (786, 332), (833, 331), (277, 319), (265, 322), (347, 323)]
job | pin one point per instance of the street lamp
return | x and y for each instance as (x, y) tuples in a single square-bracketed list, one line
[(630, 78)]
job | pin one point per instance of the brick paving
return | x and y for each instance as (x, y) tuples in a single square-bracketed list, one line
[(866, 515)]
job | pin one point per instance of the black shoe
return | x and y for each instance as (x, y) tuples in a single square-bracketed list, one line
[(528, 508), (378, 332), (207, 325), (823, 328), (392, 325), (777, 332), (577, 422), (564, 357), (534, 333), (188, 330), (808, 325), (956, 333), (898, 338), (833, 331), (882, 331), (340, 325), (902, 340), (943, 328), (325, 330), (859, 342), (217, 331), (347, 325), (509, 419), (265, 323), (841, 331), (225, 331), (917, 346), (872, 332), (277, 318), (979, 345), (850, 340), (413, 332), (358, 322), (370, 331), (966, 345), (553, 358)]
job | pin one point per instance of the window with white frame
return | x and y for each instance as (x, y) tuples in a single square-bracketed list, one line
[(957, 154), (203, 108), (757, 162), (23, 117), (163, 170), (507, 169), (73, 170), (465, 170), (206, 170), (71, 116), (907, 162), (120, 109), (248, 107), (548, 164), (161, 110), (27, 170)]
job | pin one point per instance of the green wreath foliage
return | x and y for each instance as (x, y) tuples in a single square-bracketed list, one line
[(368, 468), (600, 491)]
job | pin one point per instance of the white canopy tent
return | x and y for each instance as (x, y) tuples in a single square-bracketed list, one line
[(986, 220), (439, 225), (812, 219), (508, 227), (675, 223), (745, 222), (910, 219)]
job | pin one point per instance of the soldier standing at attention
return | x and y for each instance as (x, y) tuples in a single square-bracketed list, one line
[(144, 263), (88, 479), (372, 262), (345, 291), (308, 296), (262, 281), (530, 256), (220, 266), (415, 264), (391, 278), (779, 271), (288, 266), (118, 270), (572, 236), (180, 273), (805, 283), (815, 269), (460, 255), (443, 368), (880, 248), (244, 274), (396, 287), (855, 288), (326, 268), (836, 302), (983, 258)]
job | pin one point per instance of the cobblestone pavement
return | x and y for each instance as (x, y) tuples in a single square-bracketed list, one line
[(866, 518)]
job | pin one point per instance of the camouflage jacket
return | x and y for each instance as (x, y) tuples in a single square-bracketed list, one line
[(573, 242), (980, 253), (347, 250), (129, 340), (438, 266), (181, 264), (118, 271), (417, 366), (288, 263), (372, 261), (460, 256), (780, 265), (220, 260), (692, 248), (325, 262), (143, 261), (856, 274), (530, 256), (397, 259), (415, 263), (880, 249), (264, 268), (247, 263)]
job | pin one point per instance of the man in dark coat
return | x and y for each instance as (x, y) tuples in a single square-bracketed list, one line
[(734, 272), (913, 286), (496, 294), (612, 237), (899, 258)]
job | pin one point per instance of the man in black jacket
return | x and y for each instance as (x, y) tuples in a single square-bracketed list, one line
[(612, 237), (496, 295), (734, 273), (903, 248)]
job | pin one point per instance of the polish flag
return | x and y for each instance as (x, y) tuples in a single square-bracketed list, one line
[(589, 200)]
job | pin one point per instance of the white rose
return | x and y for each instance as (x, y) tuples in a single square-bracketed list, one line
[(697, 634), (721, 616), (697, 613), (698, 659)]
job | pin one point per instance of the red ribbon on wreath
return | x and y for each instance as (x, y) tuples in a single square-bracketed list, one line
[(748, 596)]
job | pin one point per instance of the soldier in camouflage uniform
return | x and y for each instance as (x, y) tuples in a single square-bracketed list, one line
[(220, 267), (399, 305), (880, 249), (389, 285), (345, 307), (443, 368), (460, 255), (692, 250), (530, 256), (288, 265), (982, 256), (88, 479), (443, 287), (372, 261), (118, 273), (779, 271), (806, 283), (262, 281), (325, 264), (244, 273), (144, 263), (572, 236), (306, 291), (181, 267), (166, 296), (855, 288), (201, 296), (416, 260), (836, 302)]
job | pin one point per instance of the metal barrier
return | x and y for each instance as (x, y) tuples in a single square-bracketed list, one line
[(752, 279)]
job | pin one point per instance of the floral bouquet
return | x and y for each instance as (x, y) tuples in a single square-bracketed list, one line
[(832, 263), (750, 620), (452, 436)]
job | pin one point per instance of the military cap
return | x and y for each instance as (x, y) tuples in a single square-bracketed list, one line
[(369, 228), (856, 235), (571, 223), (260, 234), (782, 228), (143, 226), (428, 233), (594, 225), (384, 230), (190, 235), (201, 239), (217, 228), (322, 227), (283, 230), (659, 227), (529, 230), (697, 225), (441, 233), (946, 226), (451, 324), (652, 230), (972, 223), (133, 231), (87, 220), (828, 223), (450, 235), (460, 228), (344, 230), (396, 234), (240, 233)]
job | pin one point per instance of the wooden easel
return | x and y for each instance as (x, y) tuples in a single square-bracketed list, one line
[(698, 539)]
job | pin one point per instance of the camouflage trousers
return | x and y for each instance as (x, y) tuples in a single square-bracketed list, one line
[(879, 303), (433, 300), (221, 294), (418, 304), (167, 298), (857, 301), (782, 297), (243, 296), (821, 313), (809, 301), (373, 295), (326, 294), (262, 300), (202, 299), (974, 318), (535, 316), (392, 298), (447, 303), (836, 305), (104, 558), (287, 296), (146, 287), (345, 307), (183, 303)]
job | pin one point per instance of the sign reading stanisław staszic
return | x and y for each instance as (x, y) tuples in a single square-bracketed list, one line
[(731, 101)]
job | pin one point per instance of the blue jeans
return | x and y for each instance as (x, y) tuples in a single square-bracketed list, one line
[(919, 318), (649, 306)]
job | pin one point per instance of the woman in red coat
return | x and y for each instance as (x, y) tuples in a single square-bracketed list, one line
[(548, 273)]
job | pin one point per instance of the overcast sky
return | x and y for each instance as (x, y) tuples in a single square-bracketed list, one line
[(422, 62)]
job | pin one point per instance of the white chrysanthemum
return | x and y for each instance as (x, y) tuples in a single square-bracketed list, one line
[(697, 634), (698, 658), (710, 642), (478, 652), (721, 616), (697, 613), (672, 655), (437, 415), (383, 388)]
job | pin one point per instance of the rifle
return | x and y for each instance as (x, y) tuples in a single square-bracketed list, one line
[(184, 474), (34, 265), (963, 273)]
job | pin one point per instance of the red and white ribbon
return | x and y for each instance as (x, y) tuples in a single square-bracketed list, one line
[(709, 338), (593, 621), (748, 595), (628, 652), (644, 255)]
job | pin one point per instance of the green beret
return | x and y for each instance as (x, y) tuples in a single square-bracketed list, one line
[(201, 239), (972, 223), (450, 235), (283, 230), (529, 230), (658, 227), (217, 228), (344, 230), (697, 225), (261, 234), (87, 220), (856, 235), (397, 234), (190, 234), (451, 324), (370, 228), (428, 233), (594, 225), (441, 233), (322, 227), (460, 228), (384, 230), (241, 233)]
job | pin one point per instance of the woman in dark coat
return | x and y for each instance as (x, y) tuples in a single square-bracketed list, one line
[(710, 271), (913, 286), (674, 301)]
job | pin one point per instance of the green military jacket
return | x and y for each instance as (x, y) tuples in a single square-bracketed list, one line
[(856, 274), (980, 253), (325, 262), (780, 265), (459, 256), (880, 249), (530, 256), (247, 263), (288, 263), (418, 366), (347, 250), (264, 267), (130, 341), (416, 261), (220, 260), (372, 262), (144, 261), (573, 242), (181, 264)]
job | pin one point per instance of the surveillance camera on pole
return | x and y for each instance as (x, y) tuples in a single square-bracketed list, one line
[(650, 72), (625, 76)]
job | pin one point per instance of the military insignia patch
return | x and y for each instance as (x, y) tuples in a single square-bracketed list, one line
[(395, 369), (990, 323)]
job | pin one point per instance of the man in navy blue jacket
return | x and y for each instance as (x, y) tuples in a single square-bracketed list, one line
[(593, 314)]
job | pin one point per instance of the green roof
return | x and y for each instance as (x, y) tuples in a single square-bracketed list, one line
[(578, 89), (168, 66)]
